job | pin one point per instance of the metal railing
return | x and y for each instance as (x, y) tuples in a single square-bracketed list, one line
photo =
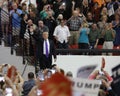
[(88, 51), (10, 40)]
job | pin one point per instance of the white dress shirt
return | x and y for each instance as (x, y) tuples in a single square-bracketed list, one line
[(62, 33), (44, 47)]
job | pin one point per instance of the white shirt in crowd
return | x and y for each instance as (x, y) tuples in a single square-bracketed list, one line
[(62, 33)]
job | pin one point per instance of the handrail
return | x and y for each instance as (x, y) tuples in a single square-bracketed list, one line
[(69, 51), (61, 51)]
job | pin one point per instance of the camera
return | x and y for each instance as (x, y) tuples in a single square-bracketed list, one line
[(41, 76), (49, 73), (5, 69)]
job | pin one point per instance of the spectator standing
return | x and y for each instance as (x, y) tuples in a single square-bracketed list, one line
[(111, 11), (36, 90), (59, 7), (4, 17), (78, 3), (89, 18), (24, 8), (118, 11), (68, 9), (116, 27), (62, 35), (39, 30), (103, 22), (43, 14), (109, 36), (116, 4), (116, 21), (31, 27), (83, 40), (33, 15), (16, 18), (41, 4), (104, 12), (94, 36), (80, 15), (74, 24), (101, 26), (50, 23), (23, 25), (59, 18), (56, 5), (96, 12), (23, 29), (85, 8), (28, 85), (31, 7)]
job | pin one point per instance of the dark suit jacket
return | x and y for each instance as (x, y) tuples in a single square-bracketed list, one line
[(43, 61), (52, 48)]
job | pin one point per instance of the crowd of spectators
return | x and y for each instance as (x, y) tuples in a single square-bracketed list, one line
[(71, 24), (79, 24), (13, 84)]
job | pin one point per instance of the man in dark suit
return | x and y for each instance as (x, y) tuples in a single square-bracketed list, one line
[(46, 50)]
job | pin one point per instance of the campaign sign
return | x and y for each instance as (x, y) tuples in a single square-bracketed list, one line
[(85, 87), (85, 71)]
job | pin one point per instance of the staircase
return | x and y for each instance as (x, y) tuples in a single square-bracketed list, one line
[(6, 57), (11, 54)]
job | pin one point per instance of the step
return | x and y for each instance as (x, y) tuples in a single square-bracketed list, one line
[(6, 57)]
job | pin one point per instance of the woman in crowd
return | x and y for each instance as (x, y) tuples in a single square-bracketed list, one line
[(12, 81), (85, 7), (103, 22), (43, 14), (104, 12), (83, 41), (101, 26)]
